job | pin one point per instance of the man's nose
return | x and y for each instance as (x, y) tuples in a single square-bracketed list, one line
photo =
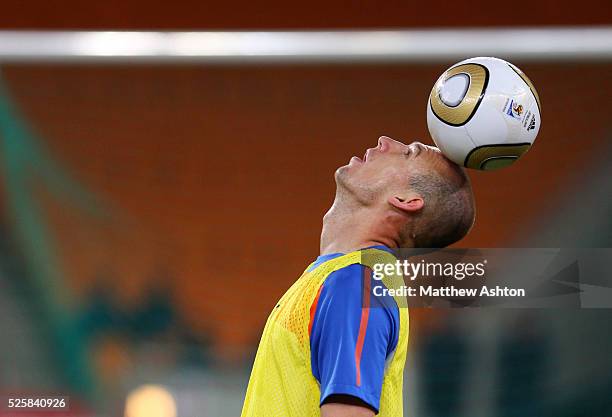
[(390, 143)]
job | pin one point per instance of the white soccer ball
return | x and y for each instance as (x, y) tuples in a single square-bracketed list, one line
[(483, 113)]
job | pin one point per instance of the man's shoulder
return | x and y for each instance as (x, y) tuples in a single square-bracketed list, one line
[(348, 278)]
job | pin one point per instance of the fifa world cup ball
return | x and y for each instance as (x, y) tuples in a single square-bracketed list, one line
[(483, 113)]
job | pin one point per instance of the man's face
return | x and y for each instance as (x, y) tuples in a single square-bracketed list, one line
[(387, 168)]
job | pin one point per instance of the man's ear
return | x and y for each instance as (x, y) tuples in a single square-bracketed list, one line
[(410, 204)]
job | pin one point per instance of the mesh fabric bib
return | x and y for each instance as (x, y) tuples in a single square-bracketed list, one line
[(281, 383)]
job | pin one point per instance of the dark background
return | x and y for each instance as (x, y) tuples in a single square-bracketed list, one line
[(316, 14)]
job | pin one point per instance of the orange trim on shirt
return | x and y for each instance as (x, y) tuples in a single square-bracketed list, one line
[(363, 324), (313, 309)]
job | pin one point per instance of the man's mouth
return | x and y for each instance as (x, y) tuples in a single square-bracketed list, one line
[(380, 148)]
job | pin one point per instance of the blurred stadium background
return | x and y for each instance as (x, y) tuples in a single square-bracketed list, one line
[(152, 212)]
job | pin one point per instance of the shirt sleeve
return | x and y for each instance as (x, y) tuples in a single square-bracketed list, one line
[(352, 335)]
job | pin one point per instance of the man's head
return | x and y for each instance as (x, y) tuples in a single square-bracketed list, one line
[(430, 195)]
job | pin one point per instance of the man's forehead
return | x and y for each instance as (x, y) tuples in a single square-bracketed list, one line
[(434, 162), (432, 148), (428, 147)]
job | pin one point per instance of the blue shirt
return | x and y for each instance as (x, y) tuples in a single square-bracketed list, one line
[(353, 334)]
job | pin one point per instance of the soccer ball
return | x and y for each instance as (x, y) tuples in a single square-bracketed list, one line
[(483, 113)]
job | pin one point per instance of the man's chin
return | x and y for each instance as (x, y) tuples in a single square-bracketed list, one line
[(341, 174), (345, 183)]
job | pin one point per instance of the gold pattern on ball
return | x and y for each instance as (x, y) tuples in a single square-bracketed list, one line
[(493, 157), (460, 114)]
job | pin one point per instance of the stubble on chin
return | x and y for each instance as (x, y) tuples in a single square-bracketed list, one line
[(341, 175), (352, 192)]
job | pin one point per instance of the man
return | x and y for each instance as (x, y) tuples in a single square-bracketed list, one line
[(326, 349)]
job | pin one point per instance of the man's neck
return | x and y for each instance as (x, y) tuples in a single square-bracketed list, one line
[(347, 229)]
